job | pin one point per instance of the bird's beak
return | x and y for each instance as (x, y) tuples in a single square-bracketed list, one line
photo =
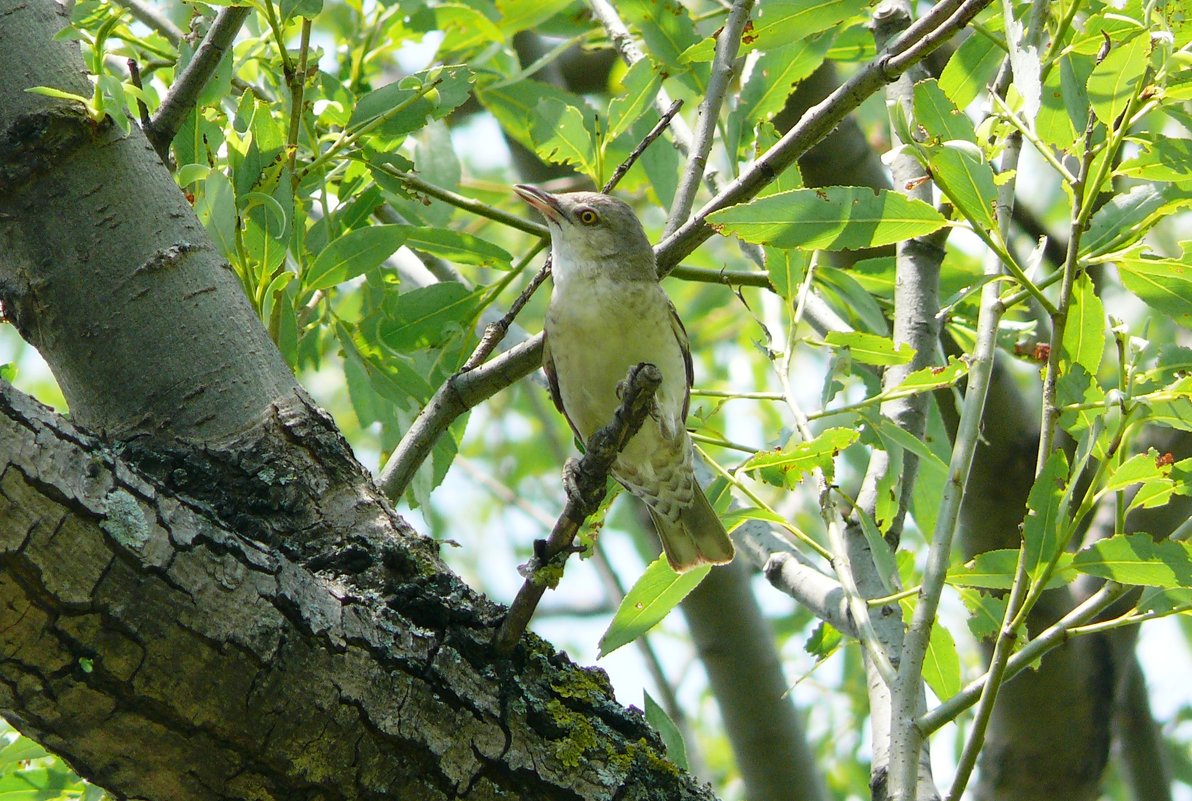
[(546, 203)]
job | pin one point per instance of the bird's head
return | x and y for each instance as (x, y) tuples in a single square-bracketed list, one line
[(590, 230)]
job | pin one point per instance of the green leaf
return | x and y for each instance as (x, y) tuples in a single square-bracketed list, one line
[(353, 254), (402, 110), (787, 466), (888, 430), (515, 106), (652, 597), (458, 247), (986, 613), (565, 134), (849, 298), (786, 267), (216, 209), (1138, 559), (39, 784), (1065, 109), (464, 27), (520, 15), (672, 738), (667, 28), (778, 21), (1161, 159), (941, 664), (1124, 219), (641, 84), (1139, 468), (823, 642), (1044, 519), (1114, 82), (967, 182), (1084, 333), (871, 348), (1077, 386), (994, 570), (426, 316), (300, 8), (970, 69), (777, 70), (19, 750), (938, 115), (929, 378), (832, 218), (1163, 284)]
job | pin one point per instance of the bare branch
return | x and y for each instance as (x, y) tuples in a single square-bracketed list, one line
[(183, 95), (727, 44)]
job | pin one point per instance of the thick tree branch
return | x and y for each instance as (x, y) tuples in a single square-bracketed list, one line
[(168, 657)]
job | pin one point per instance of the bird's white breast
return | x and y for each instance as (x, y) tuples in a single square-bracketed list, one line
[(597, 329)]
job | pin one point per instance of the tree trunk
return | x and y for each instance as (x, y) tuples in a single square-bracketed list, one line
[(209, 599)]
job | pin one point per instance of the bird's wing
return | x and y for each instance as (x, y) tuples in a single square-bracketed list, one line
[(685, 346), (552, 381)]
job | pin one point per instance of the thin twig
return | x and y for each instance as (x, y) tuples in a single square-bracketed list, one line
[(297, 80), (655, 132), (1050, 638), (134, 75), (480, 208), (727, 44), (181, 99), (587, 480)]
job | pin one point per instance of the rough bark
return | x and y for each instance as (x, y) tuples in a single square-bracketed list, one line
[(168, 657), (209, 599), (106, 270)]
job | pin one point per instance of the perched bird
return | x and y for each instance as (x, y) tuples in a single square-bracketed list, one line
[(607, 313)]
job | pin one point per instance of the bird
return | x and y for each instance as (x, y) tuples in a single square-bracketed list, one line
[(607, 313)]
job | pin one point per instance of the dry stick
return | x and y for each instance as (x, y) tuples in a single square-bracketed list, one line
[(183, 95), (495, 332), (586, 481), (449, 401), (134, 75), (462, 391)]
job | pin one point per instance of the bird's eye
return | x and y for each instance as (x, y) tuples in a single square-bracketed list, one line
[(587, 217)]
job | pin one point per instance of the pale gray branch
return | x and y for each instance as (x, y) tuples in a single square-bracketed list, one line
[(727, 45)]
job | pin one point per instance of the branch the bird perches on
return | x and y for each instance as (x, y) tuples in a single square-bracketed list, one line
[(586, 480)]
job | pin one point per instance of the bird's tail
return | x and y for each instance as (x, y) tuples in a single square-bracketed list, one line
[(696, 538)]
